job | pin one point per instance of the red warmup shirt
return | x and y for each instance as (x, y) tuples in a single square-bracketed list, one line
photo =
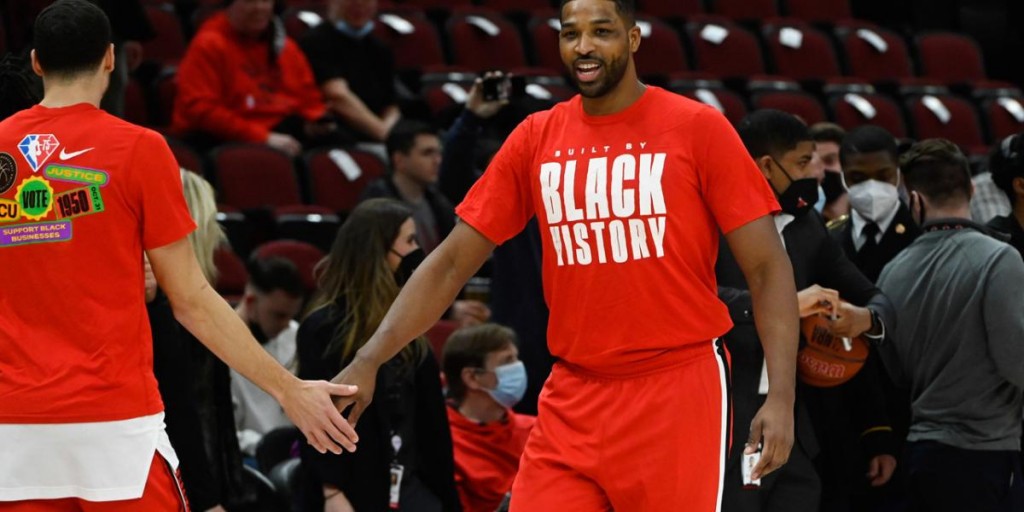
[(487, 457), (228, 87), (629, 206), (82, 193)]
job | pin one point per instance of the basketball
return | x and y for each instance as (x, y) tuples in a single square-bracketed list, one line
[(823, 361)]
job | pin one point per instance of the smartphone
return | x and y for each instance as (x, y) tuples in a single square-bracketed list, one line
[(504, 87)]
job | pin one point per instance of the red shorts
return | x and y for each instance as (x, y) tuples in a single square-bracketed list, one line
[(163, 493), (657, 441)]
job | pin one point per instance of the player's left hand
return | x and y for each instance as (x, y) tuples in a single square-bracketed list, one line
[(308, 404), (851, 321), (880, 469), (773, 428)]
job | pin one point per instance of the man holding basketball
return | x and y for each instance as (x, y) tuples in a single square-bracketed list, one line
[(631, 186), (830, 285)]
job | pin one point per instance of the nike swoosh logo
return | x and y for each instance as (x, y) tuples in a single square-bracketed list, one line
[(64, 155)]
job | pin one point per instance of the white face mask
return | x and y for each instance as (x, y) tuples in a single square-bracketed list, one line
[(873, 199)]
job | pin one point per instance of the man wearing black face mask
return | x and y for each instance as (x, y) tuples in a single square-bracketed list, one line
[(273, 298), (834, 426), (879, 225)]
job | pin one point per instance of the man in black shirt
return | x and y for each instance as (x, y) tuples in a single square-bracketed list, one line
[(354, 69)]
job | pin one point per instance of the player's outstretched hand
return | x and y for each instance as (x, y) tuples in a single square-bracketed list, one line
[(362, 374), (308, 404), (773, 428)]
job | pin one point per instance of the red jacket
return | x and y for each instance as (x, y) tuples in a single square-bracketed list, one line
[(487, 457), (228, 88)]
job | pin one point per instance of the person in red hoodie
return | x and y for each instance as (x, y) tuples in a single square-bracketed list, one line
[(242, 79), (485, 379)]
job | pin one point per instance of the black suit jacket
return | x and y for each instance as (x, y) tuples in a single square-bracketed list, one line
[(902, 231), (826, 418)]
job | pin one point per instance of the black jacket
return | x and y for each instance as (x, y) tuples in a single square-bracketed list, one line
[(830, 422), (902, 231), (364, 475), (440, 206), (1008, 225)]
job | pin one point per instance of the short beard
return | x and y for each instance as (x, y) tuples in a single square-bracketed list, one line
[(614, 72)]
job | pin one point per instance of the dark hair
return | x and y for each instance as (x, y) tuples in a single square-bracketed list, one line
[(19, 86), (625, 8), (868, 139), (827, 132), (356, 274), (267, 275), (938, 170), (1006, 162), (772, 132), (402, 136), (468, 348), (70, 37)]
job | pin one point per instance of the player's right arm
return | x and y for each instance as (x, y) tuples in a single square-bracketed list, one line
[(422, 301), (207, 316), (758, 250)]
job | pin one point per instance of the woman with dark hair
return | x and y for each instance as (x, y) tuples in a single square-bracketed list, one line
[(1007, 165), (404, 460)]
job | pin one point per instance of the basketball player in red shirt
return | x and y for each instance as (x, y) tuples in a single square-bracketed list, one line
[(631, 186), (82, 196)]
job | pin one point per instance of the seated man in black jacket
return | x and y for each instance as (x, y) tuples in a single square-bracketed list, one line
[(834, 426)]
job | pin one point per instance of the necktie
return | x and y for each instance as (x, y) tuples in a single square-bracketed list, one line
[(870, 234)]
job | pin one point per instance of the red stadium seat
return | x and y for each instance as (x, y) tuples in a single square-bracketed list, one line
[(1004, 116), (515, 5), (661, 52), (543, 33), (304, 256), (946, 117), (315, 225), (412, 37), (187, 157), (482, 40), (723, 48), (670, 8), (338, 176), (851, 110), (818, 11), (439, 334), (298, 20), (799, 51), (949, 57), (255, 176), (168, 46), (231, 274), (745, 9), (798, 103), (437, 4), (135, 110), (874, 54), (725, 101)]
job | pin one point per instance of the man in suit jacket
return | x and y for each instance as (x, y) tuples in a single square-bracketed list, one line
[(879, 225), (825, 443)]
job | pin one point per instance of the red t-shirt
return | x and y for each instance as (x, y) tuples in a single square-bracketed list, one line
[(82, 193), (630, 206), (487, 457)]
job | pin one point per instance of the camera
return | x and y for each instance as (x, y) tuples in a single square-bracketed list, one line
[(503, 86)]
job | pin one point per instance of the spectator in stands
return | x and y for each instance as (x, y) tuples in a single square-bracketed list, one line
[(405, 449), (988, 202), (879, 225), (827, 138), (517, 294), (130, 28), (485, 380), (20, 88), (414, 149), (272, 300), (1007, 165), (242, 79), (172, 349), (846, 423), (957, 347), (354, 69)]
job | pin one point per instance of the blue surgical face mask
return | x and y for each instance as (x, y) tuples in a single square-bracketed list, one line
[(511, 384), (354, 33)]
